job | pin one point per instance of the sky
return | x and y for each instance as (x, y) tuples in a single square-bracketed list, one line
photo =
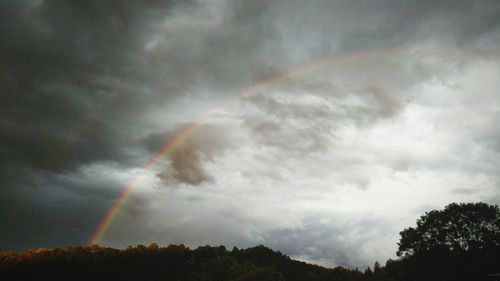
[(318, 128)]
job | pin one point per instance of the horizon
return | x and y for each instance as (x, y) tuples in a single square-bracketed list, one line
[(320, 129)]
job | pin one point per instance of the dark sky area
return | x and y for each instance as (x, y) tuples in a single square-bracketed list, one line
[(378, 111)]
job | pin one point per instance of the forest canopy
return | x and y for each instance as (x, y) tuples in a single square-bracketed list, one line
[(459, 227)]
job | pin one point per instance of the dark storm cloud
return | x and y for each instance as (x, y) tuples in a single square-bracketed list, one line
[(61, 212), (58, 58)]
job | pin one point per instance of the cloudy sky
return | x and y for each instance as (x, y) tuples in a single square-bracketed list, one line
[(318, 128)]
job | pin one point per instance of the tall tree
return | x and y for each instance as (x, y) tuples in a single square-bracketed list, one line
[(459, 227)]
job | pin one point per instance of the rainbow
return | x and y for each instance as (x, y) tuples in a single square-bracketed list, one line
[(256, 88)]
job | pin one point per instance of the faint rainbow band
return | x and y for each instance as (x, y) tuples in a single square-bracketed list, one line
[(256, 88)]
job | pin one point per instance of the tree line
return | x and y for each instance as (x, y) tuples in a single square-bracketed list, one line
[(460, 242)]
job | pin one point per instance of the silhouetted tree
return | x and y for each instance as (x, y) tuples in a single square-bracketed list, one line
[(459, 227), (153, 246)]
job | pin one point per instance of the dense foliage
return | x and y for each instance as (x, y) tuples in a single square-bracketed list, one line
[(177, 262), (459, 227)]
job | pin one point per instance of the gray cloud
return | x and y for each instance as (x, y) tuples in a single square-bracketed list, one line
[(326, 241), (92, 90), (199, 145)]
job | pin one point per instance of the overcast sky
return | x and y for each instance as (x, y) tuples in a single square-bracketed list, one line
[(399, 114)]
